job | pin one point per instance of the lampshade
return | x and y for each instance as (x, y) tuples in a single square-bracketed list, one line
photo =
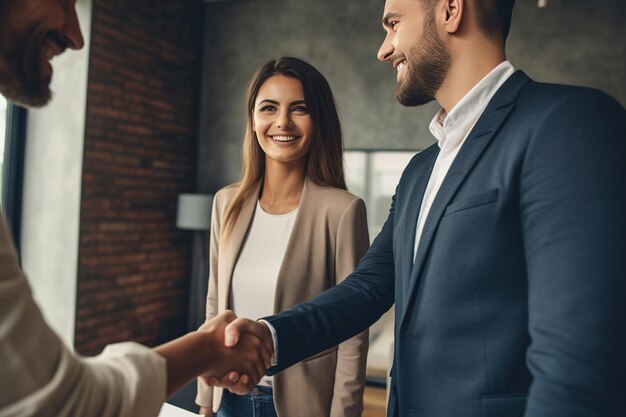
[(194, 211)]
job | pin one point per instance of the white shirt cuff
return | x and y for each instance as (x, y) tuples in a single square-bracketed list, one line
[(274, 361)]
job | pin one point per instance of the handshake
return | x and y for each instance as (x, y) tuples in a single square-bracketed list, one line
[(240, 349)]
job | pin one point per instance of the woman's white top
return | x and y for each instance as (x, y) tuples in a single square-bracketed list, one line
[(255, 275)]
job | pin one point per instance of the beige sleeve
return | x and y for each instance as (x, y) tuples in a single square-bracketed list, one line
[(40, 376), (204, 397), (352, 243)]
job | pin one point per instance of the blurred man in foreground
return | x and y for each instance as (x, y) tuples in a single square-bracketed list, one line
[(39, 375)]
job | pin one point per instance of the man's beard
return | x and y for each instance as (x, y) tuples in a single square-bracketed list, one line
[(21, 77), (428, 64)]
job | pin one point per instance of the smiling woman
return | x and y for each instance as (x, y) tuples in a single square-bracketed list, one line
[(287, 231)]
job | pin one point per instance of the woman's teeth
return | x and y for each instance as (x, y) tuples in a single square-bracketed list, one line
[(284, 138)]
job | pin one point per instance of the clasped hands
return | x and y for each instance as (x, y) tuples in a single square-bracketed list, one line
[(242, 352)]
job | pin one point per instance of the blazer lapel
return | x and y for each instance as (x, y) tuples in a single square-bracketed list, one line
[(483, 133), (234, 243), (286, 286)]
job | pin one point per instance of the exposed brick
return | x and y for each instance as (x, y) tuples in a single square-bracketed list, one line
[(139, 154)]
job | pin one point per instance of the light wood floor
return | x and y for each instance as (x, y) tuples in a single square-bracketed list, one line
[(375, 402)]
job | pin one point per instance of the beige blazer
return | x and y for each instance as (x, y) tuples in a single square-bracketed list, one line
[(328, 239)]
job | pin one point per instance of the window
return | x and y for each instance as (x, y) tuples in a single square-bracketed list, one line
[(373, 176), (12, 135), (3, 124)]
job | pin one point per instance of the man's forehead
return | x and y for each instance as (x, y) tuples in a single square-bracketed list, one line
[(396, 7)]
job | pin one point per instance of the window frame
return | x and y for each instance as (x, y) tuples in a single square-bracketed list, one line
[(13, 169)]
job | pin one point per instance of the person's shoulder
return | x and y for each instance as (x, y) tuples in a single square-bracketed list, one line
[(332, 196), (225, 195), (568, 118), (566, 108), (578, 98), (421, 161), (421, 156)]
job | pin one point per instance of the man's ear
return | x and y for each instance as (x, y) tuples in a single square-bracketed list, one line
[(453, 14)]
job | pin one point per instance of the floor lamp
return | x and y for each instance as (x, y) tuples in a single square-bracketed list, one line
[(194, 213)]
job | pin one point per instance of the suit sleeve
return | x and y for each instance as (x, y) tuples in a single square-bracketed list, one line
[(341, 311), (204, 396), (40, 376), (352, 243), (573, 213)]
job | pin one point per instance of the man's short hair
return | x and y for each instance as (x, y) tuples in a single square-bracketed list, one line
[(493, 16)]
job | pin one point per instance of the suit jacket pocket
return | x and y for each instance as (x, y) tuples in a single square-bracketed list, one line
[(482, 199), (504, 405)]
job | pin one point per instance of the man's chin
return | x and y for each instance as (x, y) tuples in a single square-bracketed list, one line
[(24, 92), (413, 100), (411, 95), (34, 101), (27, 97), (31, 86)]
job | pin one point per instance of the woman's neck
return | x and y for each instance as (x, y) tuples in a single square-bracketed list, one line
[(282, 187)]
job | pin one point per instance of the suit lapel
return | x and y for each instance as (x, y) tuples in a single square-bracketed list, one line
[(408, 220), (234, 243), (481, 135)]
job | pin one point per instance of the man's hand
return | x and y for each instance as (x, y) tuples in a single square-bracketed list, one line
[(205, 353), (206, 412), (235, 334), (244, 353)]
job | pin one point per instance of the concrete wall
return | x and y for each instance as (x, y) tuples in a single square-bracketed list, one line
[(570, 41), (52, 185)]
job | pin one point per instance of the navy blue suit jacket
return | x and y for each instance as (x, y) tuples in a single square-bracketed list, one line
[(515, 305)]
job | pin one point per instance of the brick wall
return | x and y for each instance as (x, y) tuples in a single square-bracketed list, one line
[(140, 153)]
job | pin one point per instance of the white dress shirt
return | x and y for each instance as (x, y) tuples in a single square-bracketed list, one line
[(452, 129)]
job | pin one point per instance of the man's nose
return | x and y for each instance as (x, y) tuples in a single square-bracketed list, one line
[(73, 35), (386, 50)]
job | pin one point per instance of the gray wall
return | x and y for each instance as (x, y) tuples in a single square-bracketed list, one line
[(571, 41)]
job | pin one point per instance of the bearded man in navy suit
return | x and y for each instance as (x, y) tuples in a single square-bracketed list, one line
[(504, 246)]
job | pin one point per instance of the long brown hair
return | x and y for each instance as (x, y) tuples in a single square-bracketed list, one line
[(324, 161)]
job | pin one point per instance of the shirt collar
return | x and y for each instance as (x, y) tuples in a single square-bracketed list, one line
[(451, 128)]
